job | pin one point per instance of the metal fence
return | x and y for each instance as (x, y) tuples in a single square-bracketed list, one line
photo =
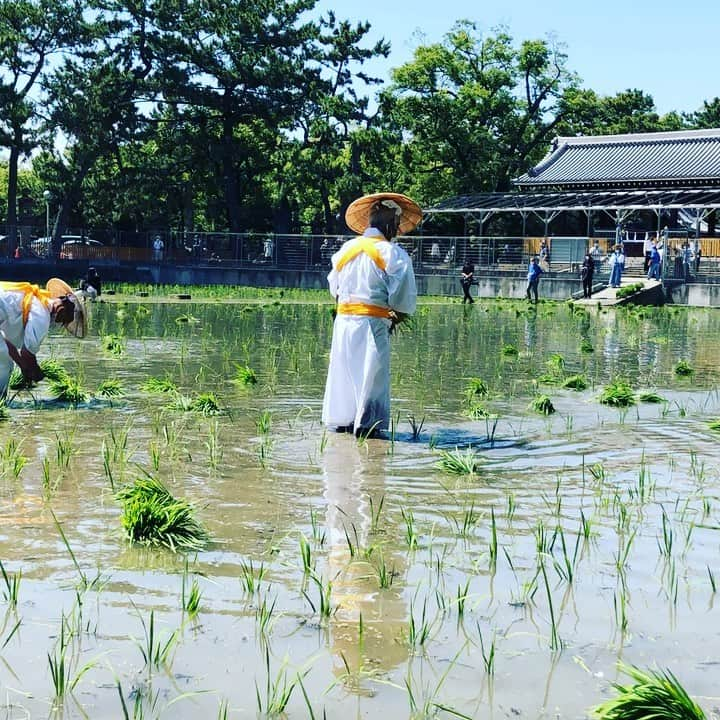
[(430, 254)]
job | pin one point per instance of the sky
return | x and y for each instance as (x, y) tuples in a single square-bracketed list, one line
[(666, 48)]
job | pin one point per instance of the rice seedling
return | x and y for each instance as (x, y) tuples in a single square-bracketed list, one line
[(278, 690), (11, 589), (617, 394), (12, 460), (324, 607), (152, 516), (476, 388), (251, 580), (410, 535), (245, 375), (264, 422), (542, 404), (306, 555), (111, 389), (586, 346), (416, 426), (207, 404), (628, 290), (159, 385), (4, 412), (575, 382), (478, 411), (190, 598), (375, 513), (653, 694), (488, 654), (67, 389), (509, 350), (493, 548), (714, 425), (156, 651), (265, 615), (419, 630), (458, 462), (649, 396), (113, 344), (385, 575), (683, 368), (555, 642)]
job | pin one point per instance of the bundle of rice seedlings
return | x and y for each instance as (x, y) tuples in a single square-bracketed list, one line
[(714, 425), (245, 375), (576, 382), (18, 381), (111, 389), (586, 346), (4, 412), (113, 344), (152, 516), (476, 388), (509, 350), (556, 364), (617, 394), (656, 695), (69, 390), (159, 385), (542, 404), (684, 368), (457, 462), (207, 404), (650, 396), (477, 411), (53, 370)]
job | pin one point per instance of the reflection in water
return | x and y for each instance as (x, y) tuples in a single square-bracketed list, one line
[(351, 479)]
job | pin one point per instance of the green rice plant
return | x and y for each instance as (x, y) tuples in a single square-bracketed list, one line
[(207, 404), (556, 364), (84, 582), (653, 694), (249, 578), (11, 589), (461, 595), (509, 350), (458, 462), (648, 396), (152, 516), (420, 629), (375, 513), (476, 388), (410, 535), (575, 382), (714, 425), (617, 394), (416, 426), (156, 651), (159, 385), (114, 344), (18, 381), (184, 403), (190, 599), (493, 549), (384, 574), (278, 691), (683, 368), (306, 555), (12, 461), (245, 375), (478, 411), (555, 641), (52, 369), (542, 404), (264, 422), (488, 654), (67, 389), (4, 412), (586, 346), (324, 607), (628, 290), (265, 615), (111, 389)]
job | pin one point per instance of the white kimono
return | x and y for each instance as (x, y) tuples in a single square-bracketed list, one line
[(357, 391), (30, 334)]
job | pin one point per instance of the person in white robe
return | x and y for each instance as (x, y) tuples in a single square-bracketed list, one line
[(26, 312), (373, 283)]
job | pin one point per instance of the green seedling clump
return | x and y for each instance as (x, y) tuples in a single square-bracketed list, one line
[(476, 388), (586, 346), (649, 396), (152, 516), (159, 385), (542, 404), (68, 390), (714, 425), (509, 350), (629, 290), (656, 695), (245, 375), (617, 394), (113, 344), (111, 389), (457, 462), (576, 382), (207, 404), (684, 368)]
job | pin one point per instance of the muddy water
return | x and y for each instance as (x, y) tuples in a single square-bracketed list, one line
[(606, 521)]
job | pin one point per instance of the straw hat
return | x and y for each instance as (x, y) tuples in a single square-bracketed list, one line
[(357, 214), (59, 288)]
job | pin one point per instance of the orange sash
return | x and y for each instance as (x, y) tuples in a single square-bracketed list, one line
[(359, 308), (362, 244), (30, 291)]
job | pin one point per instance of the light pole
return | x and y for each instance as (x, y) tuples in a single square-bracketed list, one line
[(47, 195)]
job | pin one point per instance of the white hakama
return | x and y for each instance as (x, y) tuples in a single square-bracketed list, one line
[(357, 391)]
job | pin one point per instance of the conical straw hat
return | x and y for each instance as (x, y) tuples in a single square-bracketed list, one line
[(357, 214), (78, 325)]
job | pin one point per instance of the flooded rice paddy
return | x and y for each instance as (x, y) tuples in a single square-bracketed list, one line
[(350, 578)]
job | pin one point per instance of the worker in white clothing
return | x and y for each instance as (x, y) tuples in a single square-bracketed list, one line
[(26, 312), (373, 283)]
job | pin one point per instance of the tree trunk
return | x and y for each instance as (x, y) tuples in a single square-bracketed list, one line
[(12, 219)]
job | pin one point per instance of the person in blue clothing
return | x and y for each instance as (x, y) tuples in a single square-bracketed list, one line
[(654, 260), (533, 278), (617, 265)]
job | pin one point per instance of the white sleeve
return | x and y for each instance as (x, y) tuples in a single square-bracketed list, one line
[(402, 292), (36, 327)]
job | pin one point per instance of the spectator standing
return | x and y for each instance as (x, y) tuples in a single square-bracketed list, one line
[(467, 280), (586, 274), (158, 249), (617, 265), (696, 255), (544, 254), (687, 259), (654, 263), (647, 251)]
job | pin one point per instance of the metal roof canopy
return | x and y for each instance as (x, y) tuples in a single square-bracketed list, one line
[(591, 201)]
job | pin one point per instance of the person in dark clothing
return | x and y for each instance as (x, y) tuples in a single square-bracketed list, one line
[(91, 284), (467, 280), (586, 273)]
